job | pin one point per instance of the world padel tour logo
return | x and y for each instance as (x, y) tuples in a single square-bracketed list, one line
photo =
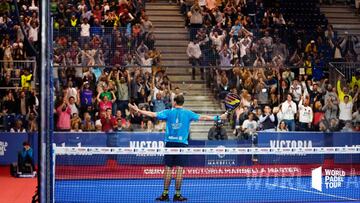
[(3, 146), (333, 178)]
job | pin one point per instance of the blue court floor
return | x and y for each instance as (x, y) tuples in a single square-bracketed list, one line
[(295, 189)]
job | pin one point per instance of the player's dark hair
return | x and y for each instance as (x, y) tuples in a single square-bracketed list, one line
[(179, 99)]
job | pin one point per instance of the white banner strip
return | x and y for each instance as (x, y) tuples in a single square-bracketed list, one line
[(203, 151)]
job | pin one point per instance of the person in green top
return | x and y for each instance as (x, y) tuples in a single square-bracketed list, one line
[(106, 92)]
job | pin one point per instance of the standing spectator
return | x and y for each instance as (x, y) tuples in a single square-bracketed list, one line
[(86, 96), (194, 53), (345, 113), (33, 32), (109, 121), (7, 51), (26, 79), (196, 20), (64, 114), (158, 103), (84, 32), (267, 120), (305, 114), (105, 103), (122, 84), (288, 109), (296, 90)]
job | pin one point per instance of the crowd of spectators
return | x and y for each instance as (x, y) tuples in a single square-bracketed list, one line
[(98, 49), (19, 27), (287, 83)]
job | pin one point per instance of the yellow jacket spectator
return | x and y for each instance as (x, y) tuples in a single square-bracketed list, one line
[(342, 92), (311, 48), (355, 80), (26, 79)]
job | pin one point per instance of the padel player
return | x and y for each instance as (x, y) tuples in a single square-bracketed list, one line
[(178, 121)]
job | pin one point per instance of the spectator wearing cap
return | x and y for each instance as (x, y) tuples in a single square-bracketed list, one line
[(311, 48), (288, 109), (86, 96)]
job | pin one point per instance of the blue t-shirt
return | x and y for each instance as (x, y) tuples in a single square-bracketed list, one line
[(177, 124)]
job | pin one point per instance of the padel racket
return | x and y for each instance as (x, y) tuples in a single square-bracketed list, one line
[(232, 101)]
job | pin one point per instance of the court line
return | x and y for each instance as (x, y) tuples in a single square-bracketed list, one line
[(148, 185), (312, 192)]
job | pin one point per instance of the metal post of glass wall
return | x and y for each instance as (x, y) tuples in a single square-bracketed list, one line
[(45, 185)]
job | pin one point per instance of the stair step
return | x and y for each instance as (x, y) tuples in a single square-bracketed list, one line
[(172, 36), (180, 77), (341, 15), (164, 13), (170, 31), (207, 111), (169, 57), (160, 24), (161, 7), (175, 63), (346, 27), (167, 19), (185, 85), (209, 103), (169, 50), (335, 10), (171, 43), (176, 70), (354, 21)]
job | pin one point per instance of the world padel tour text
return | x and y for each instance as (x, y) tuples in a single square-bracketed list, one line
[(334, 178)]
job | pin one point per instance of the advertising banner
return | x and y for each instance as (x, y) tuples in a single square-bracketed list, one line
[(346, 139), (12, 143), (290, 140)]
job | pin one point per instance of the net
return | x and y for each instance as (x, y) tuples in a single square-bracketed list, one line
[(222, 173)]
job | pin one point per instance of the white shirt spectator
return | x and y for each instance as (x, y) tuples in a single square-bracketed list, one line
[(193, 50), (288, 110), (33, 33), (217, 40), (296, 91), (85, 30), (356, 116), (249, 126), (305, 113), (244, 45), (74, 109), (345, 111)]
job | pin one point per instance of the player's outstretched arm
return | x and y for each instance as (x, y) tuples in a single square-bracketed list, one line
[(213, 118), (146, 113)]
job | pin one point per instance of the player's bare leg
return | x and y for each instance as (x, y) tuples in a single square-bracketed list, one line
[(179, 178), (167, 182)]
